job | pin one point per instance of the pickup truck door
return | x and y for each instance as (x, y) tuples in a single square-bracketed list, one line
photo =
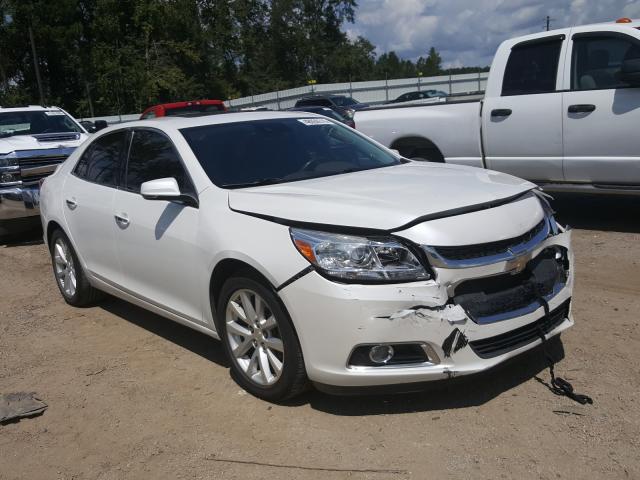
[(601, 112), (522, 126)]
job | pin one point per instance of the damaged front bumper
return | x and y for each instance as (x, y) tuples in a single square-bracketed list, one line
[(458, 331)]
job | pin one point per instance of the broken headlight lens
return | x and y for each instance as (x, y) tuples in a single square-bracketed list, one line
[(353, 258)]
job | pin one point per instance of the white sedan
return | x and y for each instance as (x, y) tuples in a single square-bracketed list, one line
[(312, 252)]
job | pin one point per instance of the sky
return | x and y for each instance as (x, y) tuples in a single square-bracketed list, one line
[(467, 32)]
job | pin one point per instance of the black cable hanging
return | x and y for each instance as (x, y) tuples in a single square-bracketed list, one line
[(559, 385)]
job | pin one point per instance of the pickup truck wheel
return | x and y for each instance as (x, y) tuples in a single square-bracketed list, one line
[(427, 155), (70, 277), (260, 341)]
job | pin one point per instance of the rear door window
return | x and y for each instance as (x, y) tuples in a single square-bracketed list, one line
[(532, 67), (100, 163), (152, 156)]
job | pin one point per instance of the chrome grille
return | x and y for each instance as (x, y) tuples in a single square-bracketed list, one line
[(465, 256), (36, 164)]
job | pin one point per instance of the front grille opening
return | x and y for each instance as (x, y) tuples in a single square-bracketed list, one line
[(403, 354), (56, 137), (42, 161), (506, 342), (488, 249), (488, 296)]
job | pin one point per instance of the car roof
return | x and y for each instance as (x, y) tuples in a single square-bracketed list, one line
[(29, 108), (633, 23), (178, 123), (305, 108)]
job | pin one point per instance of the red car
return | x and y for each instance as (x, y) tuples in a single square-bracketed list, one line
[(194, 107)]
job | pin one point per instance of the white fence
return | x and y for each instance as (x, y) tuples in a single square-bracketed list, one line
[(374, 92)]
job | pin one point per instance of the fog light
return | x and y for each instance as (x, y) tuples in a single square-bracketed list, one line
[(381, 353)]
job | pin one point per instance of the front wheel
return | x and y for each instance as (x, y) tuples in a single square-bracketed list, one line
[(259, 338)]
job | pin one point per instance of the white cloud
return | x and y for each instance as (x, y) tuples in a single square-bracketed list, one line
[(467, 32)]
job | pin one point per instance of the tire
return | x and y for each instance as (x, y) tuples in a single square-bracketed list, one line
[(66, 269), (261, 337)]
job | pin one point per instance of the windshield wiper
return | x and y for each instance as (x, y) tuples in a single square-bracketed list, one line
[(255, 183)]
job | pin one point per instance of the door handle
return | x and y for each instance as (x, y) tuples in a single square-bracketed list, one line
[(71, 203), (582, 108), (122, 220), (501, 112)]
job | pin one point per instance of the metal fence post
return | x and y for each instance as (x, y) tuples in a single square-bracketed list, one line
[(450, 84), (479, 85), (386, 86), (278, 98)]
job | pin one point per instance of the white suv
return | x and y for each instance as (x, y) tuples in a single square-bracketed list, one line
[(311, 251)]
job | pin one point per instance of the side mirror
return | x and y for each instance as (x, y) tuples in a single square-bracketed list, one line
[(166, 189), (99, 125), (630, 72)]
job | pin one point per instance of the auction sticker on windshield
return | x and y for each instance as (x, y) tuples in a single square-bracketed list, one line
[(315, 121)]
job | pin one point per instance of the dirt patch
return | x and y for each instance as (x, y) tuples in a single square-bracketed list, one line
[(132, 395)]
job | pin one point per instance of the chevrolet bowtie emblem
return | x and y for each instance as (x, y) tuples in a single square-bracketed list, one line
[(517, 264)]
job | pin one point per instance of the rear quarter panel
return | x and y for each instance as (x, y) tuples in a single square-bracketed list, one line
[(454, 128)]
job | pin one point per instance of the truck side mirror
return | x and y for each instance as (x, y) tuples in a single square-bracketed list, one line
[(100, 124), (630, 72)]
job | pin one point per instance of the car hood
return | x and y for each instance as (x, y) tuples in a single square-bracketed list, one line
[(28, 142), (382, 199)]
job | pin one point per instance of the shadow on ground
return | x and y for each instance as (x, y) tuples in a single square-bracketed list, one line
[(455, 393), (598, 212), (461, 392), (187, 338), (31, 236)]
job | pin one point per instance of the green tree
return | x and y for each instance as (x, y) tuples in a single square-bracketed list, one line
[(120, 56), (430, 66)]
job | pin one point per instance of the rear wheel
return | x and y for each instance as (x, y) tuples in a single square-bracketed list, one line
[(263, 348), (70, 277)]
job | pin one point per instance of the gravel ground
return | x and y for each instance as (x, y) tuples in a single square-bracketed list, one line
[(132, 395)]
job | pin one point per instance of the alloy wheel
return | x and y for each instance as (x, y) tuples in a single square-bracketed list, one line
[(64, 267), (254, 338)]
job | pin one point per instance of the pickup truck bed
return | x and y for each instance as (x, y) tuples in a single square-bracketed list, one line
[(455, 124)]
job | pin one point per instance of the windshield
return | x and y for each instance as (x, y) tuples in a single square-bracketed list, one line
[(344, 101), (260, 152), (35, 122)]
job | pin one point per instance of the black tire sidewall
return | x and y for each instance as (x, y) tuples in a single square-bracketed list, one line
[(293, 361)]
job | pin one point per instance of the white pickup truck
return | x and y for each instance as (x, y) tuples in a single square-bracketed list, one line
[(561, 108), (34, 140)]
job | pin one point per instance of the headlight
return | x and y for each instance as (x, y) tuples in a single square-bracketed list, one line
[(352, 258), (9, 178), (8, 160)]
